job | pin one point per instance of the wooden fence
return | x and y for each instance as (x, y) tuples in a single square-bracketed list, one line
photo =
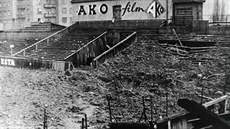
[(85, 54), (18, 62), (113, 50)]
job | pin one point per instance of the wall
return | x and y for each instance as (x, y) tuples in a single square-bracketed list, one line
[(129, 10), (219, 30)]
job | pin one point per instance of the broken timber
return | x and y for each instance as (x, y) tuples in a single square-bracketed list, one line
[(187, 120), (206, 116)]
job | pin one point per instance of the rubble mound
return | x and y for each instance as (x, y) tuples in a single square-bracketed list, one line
[(142, 70)]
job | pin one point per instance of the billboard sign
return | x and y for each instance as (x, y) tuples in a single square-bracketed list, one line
[(121, 9)]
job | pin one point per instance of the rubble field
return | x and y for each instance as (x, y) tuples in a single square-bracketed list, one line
[(143, 69)]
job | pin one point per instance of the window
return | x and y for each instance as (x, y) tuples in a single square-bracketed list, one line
[(64, 10), (8, 3), (70, 10), (117, 12), (71, 20), (64, 19), (40, 2), (64, 1), (39, 11), (184, 11), (8, 12), (0, 5)]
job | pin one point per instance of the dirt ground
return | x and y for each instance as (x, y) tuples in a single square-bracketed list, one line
[(25, 93)]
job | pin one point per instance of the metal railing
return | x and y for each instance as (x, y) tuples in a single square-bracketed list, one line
[(113, 50), (45, 41)]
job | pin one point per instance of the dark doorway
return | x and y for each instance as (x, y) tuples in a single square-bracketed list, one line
[(117, 12)]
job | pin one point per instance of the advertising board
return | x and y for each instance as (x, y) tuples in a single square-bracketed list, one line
[(120, 10)]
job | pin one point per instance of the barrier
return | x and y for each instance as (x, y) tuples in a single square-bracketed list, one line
[(85, 54), (35, 64), (113, 50)]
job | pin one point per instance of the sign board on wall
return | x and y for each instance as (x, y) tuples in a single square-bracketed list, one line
[(7, 62), (125, 9)]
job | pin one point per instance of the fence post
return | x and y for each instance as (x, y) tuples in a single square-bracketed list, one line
[(82, 123), (45, 126), (143, 114), (36, 47), (24, 53), (167, 102), (47, 41), (86, 126)]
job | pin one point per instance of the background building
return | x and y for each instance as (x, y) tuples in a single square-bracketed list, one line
[(8, 14), (65, 13), (18, 14)]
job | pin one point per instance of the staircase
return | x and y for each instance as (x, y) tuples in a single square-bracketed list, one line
[(60, 48), (5, 49), (74, 44), (43, 27)]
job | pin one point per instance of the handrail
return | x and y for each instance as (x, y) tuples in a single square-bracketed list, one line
[(41, 41), (98, 57), (86, 45)]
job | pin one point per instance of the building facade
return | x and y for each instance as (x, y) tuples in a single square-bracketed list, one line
[(18, 14), (65, 13), (8, 13)]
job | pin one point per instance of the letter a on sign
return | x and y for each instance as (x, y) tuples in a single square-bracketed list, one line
[(156, 9)]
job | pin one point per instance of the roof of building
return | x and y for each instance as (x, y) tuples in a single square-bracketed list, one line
[(188, 1)]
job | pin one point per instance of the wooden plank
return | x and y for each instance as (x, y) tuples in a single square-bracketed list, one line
[(206, 116), (216, 101), (112, 48)]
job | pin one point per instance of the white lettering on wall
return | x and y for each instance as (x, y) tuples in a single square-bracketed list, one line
[(8, 62)]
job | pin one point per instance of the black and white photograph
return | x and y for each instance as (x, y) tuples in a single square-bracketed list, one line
[(114, 64)]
